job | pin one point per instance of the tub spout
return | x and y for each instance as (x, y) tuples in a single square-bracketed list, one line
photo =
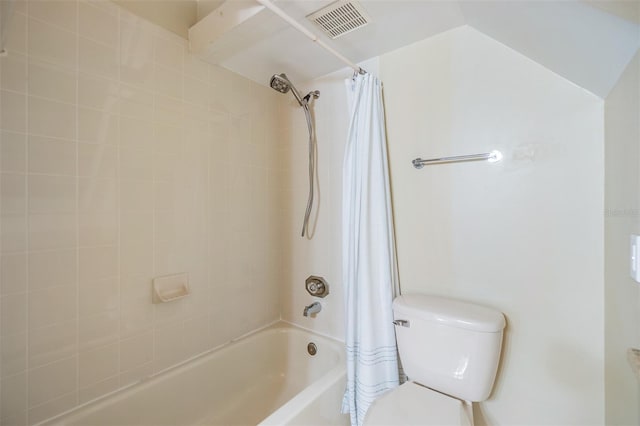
[(313, 308)]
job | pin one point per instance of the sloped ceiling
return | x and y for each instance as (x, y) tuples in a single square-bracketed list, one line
[(582, 43), (629, 10), (588, 42)]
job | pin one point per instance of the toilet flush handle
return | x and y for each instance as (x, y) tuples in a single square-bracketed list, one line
[(401, 323)]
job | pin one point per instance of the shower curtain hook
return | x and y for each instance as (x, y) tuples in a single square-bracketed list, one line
[(357, 72)]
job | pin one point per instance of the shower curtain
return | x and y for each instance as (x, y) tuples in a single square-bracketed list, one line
[(368, 252)]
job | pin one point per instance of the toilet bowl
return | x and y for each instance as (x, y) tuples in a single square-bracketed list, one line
[(412, 404), (450, 351)]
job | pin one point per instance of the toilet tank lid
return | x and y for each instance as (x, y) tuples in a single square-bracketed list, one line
[(449, 312)]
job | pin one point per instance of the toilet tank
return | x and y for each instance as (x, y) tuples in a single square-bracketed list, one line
[(449, 345)]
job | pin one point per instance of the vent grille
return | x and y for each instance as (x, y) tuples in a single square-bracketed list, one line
[(340, 18)]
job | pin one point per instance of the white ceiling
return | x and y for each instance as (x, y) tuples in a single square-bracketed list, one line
[(584, 44), (589, 43)]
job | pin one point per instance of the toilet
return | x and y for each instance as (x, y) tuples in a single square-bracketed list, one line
[(450, 351)]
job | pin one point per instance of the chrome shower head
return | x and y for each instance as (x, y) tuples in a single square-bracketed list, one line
[(281, 83)]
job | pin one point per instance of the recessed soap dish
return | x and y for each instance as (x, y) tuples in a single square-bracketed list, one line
[(170, 287)]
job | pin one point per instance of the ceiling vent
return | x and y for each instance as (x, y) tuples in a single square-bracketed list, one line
[(340, 17)]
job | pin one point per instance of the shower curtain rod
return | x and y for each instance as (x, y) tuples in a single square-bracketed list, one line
[(311, 36)]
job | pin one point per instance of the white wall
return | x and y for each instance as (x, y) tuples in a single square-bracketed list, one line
[(524, 236), (622, 218), (123, 157)]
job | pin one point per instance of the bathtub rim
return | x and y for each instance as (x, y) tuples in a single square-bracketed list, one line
[(277, 326), (304, 398)]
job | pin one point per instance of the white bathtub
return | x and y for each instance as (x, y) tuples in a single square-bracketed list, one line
[(266, 378)]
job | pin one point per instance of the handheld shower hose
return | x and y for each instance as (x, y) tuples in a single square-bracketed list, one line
[(281, 83)]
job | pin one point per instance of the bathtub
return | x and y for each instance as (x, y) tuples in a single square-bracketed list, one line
[(266, 378)]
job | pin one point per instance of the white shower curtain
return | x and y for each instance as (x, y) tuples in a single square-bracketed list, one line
[(368, 252)]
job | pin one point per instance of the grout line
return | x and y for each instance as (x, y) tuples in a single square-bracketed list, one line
[(77, 214), (209, 210), (153, 212), (119, 204), (2, 255), (58, 27), (27, 220), (57, 67)]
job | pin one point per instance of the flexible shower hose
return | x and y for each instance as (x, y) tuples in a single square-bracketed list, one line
[(312, 161)]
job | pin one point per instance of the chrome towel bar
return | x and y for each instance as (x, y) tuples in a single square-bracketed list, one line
[(492, 157)]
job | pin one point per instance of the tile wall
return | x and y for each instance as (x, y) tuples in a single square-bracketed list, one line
[(123, 157)]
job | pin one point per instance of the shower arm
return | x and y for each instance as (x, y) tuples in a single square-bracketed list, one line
[(311, 36)]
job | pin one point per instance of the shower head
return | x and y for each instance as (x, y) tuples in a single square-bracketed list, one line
[(281, 83)]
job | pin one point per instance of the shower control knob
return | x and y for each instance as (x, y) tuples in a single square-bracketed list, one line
[(317, 286)]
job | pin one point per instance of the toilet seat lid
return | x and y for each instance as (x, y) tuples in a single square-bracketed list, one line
[(412, 404)]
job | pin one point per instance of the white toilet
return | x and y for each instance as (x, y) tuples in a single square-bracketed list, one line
[(450, 351)]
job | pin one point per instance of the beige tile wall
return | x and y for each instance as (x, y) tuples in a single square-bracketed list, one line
[(123, 157)]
